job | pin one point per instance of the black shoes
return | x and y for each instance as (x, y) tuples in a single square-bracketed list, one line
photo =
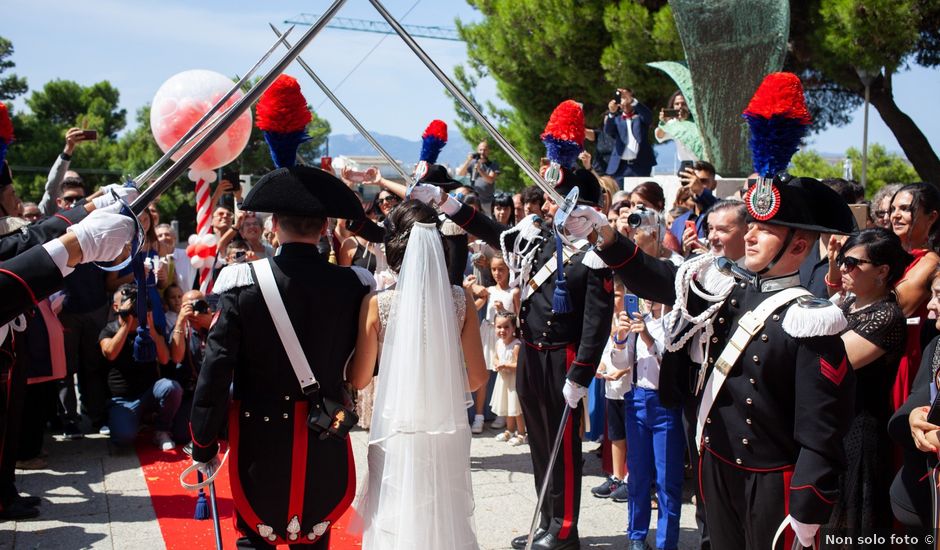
[(637, 545), (544, 540), (18, 511), (518, 543), (31, 502), (72, 432)]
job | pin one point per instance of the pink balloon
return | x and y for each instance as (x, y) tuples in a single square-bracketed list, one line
[(180, 103)]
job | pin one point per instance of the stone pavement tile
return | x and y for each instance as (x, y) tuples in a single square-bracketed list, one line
[(7, 534), (84, 532)]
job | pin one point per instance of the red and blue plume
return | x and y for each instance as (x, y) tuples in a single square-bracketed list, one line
[(6, 131), (282, 116), (564, 134), (433, 140), (778, 119)]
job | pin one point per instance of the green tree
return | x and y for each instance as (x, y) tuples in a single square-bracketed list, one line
[(833, 41), (883, 167), (11, 86), (541, 52)]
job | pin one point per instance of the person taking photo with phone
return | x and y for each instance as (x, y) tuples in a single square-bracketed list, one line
[(628, 122), (483, 173)]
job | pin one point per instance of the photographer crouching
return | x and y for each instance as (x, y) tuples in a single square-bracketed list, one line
[(187, 349), (137, 390)]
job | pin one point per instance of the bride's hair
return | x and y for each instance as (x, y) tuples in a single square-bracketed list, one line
[(398, 228)]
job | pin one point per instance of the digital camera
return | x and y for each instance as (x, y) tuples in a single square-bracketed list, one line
[(642, 218)]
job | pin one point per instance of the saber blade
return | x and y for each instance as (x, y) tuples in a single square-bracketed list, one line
[(176, 170), (342, 108)]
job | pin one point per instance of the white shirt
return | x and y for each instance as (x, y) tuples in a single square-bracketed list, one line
[(647, 361)]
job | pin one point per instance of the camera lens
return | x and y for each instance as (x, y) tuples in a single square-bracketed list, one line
[(634, 220)]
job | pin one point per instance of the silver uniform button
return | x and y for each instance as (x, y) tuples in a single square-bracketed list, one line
[(549, 323), (708, 420), (286, 398), (714, 339), (721, 320), (748, 421), (737, 461), (775, 317), (742, 285), (734, 302), (756, 359), (706, 440), (247, 414), (266, 419), (744, 440), (286, 415), (749, 401), (753, 381), (764, 338)]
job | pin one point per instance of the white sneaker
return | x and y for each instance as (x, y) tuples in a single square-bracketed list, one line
[(499, 423), (477, 426), (164, 441)]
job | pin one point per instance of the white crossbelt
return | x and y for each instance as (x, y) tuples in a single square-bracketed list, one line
[(272, 297), (749, 325)]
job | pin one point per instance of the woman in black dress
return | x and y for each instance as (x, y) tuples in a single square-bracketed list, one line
[(869, 264)]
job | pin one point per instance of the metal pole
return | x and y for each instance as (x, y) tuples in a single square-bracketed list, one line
[(349, 116), (865, 136), (468, 105), (176, 170), (214, 506)]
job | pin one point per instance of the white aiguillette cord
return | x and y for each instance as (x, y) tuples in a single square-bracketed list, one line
[(209, 478)]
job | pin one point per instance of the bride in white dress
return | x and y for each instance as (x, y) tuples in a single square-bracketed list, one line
[(418, 493)]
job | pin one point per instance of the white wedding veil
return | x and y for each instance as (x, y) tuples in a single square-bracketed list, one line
[(419, 493)]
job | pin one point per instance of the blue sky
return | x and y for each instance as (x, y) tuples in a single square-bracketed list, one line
[(138, 45)]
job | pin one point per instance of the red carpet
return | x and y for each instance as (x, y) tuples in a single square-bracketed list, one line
[(174, 505)]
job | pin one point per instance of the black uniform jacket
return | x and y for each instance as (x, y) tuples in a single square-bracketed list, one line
[(285, 480), (787, 402), (27, 273), (590, 292)]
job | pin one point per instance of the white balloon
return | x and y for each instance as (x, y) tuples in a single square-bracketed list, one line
[(209, 239), (196, 262), (193, 239)]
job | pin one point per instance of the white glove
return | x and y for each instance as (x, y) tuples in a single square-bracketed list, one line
[(574, 393), (102, 235), (805, 532), (583, 220), (108, 197), (427, 193)]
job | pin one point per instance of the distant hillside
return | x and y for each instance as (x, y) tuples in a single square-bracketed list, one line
[(400, 148)]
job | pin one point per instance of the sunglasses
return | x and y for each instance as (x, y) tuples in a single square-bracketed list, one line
[(72, 199), (387, 198), (851, 262)]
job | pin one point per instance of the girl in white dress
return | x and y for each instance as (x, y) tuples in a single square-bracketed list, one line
[(418, 492), (505, 402)]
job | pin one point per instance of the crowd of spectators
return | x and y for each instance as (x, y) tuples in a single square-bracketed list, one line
[(882, 276)]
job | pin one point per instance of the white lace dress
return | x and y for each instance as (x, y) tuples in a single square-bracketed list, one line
[(488, 325), (443, 517), (505, 401)]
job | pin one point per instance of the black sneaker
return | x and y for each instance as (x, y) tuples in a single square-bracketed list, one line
[(620, 493), (17, 511), (605, 489), (72, 431)]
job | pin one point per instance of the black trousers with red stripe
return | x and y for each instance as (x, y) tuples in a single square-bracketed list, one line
[(539, 381), (744, 508)]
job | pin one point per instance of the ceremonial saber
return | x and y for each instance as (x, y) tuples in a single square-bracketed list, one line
[(166, 179), (548, 475), (214, 506), (142, 178), (565, 204), (339, 105)]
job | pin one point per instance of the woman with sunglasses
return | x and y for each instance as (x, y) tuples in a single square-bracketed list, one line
[(869, 264), (915, 219)]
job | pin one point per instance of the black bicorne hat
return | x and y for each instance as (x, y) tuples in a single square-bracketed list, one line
[(589, 189), (437, 175), (304, 191), (800, 203)]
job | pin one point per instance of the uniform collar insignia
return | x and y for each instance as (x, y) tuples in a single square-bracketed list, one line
[(779, 283)]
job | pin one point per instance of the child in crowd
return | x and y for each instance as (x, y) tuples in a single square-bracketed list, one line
[(172, 302), (616, 383), (505, 402), (496, 299)]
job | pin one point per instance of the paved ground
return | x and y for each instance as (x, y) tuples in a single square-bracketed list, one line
[(94, 499)]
